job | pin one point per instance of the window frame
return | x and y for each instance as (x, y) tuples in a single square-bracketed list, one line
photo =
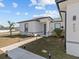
[(55, 25)]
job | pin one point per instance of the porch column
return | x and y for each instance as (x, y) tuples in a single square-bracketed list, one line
[(47, 29)]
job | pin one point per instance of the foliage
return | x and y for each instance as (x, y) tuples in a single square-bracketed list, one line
[(11, 26), (58, 32), (49, 44)]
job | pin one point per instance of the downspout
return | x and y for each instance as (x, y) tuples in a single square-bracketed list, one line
[(57, 3), (65, 28)]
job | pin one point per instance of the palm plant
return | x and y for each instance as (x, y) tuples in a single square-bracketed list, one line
[(11, 26)]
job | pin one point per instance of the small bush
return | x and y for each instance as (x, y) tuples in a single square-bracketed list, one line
[(58, 32)]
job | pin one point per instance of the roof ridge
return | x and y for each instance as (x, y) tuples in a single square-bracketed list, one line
[(35, 19)]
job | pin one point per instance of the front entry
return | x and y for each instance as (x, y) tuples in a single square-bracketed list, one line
[(44, 29)]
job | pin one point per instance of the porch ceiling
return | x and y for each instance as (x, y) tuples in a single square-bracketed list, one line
[(63, 6)]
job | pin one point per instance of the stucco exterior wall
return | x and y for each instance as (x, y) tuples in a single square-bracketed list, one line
[(72, 42), (21, 27), (37, 27), (33, 27)]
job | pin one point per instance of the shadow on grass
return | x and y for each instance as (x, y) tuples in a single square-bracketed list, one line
[(49, 44), (16, 36), (3, 56)]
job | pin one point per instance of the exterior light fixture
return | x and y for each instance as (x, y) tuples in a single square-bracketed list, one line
[(35, 36)]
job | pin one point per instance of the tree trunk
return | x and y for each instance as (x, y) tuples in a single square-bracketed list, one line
[(10, 32)]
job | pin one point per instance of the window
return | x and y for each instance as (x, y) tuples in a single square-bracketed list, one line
[(25, 27), (74, 18), (57, 25)]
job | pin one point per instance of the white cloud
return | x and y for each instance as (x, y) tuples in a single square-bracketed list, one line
[(18, 13), (15, 5), (34, 2), (47, 2), (38, 15), (39, 7), (26, 13), (2, 5), (53, 14), (42, 2)]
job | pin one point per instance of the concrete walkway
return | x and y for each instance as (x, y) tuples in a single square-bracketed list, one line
[(20, 53), (16, 45)]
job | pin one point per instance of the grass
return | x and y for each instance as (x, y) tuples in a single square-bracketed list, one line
[(5, 42), (40, 47), (6, 39), (3, 56), (49, 44), (14, 35)]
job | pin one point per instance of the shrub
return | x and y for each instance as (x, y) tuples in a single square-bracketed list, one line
[(58, 32)]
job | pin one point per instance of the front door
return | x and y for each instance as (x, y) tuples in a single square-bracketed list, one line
[(44, 29)]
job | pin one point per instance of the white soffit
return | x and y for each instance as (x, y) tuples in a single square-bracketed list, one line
[(62, 6)]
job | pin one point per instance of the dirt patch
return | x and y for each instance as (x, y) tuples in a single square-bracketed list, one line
[(7, 41), (1, 52)]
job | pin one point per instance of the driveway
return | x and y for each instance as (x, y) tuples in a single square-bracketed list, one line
[(20, 53)]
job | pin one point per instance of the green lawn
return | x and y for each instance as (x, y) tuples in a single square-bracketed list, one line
[(51, 44)]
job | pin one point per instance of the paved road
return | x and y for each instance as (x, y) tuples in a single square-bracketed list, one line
[(20, 53)]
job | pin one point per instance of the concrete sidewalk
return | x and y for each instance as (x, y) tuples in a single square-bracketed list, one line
[(16, 45), (20, 53)]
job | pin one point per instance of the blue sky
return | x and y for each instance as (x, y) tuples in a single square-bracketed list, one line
[(19, 10)]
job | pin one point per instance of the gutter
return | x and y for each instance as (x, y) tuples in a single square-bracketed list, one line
[(57, 3)]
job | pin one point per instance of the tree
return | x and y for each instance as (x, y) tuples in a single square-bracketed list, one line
[(11, 26)]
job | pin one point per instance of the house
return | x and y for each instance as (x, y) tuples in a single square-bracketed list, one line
[(58, 24), (42, 26), (69, 11)]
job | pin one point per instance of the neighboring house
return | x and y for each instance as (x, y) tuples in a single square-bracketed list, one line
[(58, 24), (69, 11), (42, 26)]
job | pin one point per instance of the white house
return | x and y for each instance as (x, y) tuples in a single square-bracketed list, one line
[(58, 24), (69, 10), (42, 26)]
